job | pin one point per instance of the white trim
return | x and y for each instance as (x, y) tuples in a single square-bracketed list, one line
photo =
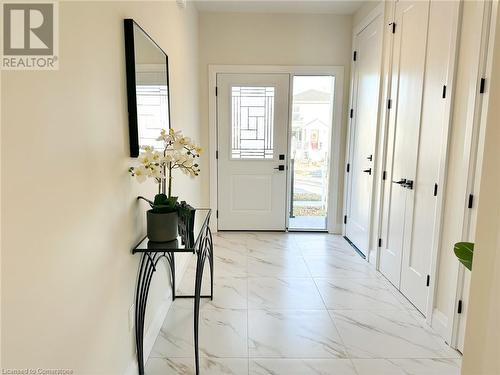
[(443, 164), (369, 18), (151, 335), (388, 50), (336, 71), (378, 11), (439, 322), (475, 133)]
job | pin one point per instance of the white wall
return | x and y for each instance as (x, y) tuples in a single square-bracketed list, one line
[(274, 39), (69, 214), (482, 339)]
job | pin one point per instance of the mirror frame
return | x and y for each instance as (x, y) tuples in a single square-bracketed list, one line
[(129, 24)]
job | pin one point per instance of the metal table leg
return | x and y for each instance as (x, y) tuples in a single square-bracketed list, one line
[(205, 250), (146, 270)]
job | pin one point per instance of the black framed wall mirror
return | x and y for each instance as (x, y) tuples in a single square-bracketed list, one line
[(147, 88)]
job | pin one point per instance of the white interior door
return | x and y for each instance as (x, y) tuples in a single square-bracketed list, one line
[(365, 104), (422, 201), (411, 19), (252, 112)]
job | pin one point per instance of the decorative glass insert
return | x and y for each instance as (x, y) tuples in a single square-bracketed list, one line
[(252, 122)]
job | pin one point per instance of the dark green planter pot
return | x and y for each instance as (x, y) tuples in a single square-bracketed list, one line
[(162, 227)]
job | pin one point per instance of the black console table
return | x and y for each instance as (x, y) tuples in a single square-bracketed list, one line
[(197, 240)]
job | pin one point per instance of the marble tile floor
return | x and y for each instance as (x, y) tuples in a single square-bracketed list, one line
[(297, 304)]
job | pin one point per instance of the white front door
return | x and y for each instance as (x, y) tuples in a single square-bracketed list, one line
[(252, 121), (368, 45), (404, 124)]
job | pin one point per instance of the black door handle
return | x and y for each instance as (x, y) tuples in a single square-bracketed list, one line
[(280, 167), (400, 182), (408, 184), (369, 171)]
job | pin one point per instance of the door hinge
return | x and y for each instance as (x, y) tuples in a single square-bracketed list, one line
[(384, 175), (216, 90), (428, 280), (354, 56), (444, 91), (351, 113), (380, 242), (345, 219), (393, 24), (459, 307), (217, 154), (482, 85), (217, 214), (348, 167), (471, 200), (389, 103), (435, 190)]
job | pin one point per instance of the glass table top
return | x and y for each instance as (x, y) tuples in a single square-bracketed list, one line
[(201, 219)]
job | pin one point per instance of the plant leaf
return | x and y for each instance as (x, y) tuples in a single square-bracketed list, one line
[(465, 253)]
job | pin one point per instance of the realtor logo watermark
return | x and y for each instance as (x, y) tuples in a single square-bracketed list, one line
[(30, 36)]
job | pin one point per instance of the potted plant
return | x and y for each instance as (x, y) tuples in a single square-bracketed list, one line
[(177, 152)]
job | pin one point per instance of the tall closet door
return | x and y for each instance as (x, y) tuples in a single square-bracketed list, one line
[(365, 104), (420, 221), (411, 20)]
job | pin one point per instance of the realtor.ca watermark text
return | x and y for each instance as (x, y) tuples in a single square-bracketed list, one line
[(29, 62)]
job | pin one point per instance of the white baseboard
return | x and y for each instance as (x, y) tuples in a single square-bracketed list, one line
[(440, 323), (155, 326), (372, 258), (335, 229)]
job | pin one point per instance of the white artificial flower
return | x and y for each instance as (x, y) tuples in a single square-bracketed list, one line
[(178, 145), (155, 172), (164, 136), (156, 156), (175, 134), (181, 158), (146, 158), (168, 158), (141, 173)]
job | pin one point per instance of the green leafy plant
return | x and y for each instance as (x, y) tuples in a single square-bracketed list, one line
[(465, 253), (163, 204)]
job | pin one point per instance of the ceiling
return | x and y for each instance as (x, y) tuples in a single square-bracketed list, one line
[(279, 6)]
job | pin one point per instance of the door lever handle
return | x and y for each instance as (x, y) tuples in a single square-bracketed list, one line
[(400, 182), (280, 168), (409, 184), (369, 171)]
